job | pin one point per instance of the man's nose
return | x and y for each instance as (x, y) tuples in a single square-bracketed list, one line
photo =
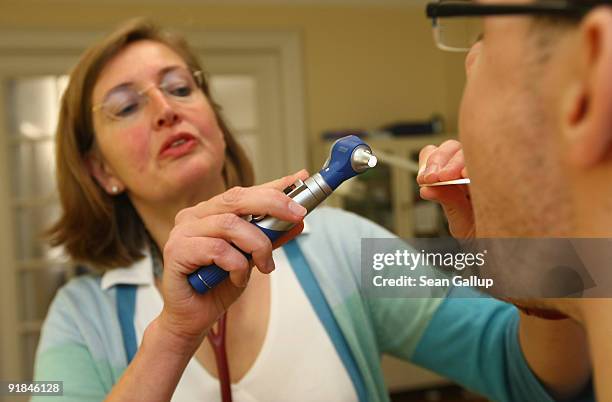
[(164, 113)]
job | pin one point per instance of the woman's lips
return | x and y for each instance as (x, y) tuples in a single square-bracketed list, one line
[(177, 145)]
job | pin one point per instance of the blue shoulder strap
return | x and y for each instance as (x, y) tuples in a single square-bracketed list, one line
[(126, 307), (319, 303)]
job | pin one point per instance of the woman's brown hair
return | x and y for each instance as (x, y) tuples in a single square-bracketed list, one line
[(96, 228)]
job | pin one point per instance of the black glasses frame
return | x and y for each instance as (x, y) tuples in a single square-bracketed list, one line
[(469, 9)]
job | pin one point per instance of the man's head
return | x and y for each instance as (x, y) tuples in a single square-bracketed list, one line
[(536, 124)]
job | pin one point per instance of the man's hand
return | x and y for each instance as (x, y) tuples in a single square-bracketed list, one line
[(444, 163)]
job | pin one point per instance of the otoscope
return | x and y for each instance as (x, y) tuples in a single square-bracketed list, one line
[(349, 156)]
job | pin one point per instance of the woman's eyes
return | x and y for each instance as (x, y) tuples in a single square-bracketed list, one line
[(126, 110), (128, 102), (181, 90)]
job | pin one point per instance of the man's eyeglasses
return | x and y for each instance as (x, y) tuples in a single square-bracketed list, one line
[(458, 24), (127, 101)]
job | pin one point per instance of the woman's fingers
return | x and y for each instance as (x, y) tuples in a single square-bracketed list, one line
[(200, 252), (187, 253), (212, 232), (284, 182), (265, 199), (233, 230), (247, 201)]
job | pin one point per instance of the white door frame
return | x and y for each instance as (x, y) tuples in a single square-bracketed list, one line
[(32, 52)]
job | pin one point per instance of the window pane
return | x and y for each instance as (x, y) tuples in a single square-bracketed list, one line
[(33, 169), (33, 104), (29, 224)]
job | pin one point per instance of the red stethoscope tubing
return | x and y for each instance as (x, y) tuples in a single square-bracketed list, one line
[(217, 341), (217, 338)]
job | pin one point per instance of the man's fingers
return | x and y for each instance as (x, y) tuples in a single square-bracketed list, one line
[(423, 157), (453, 168), (437, 160), (448, 196)]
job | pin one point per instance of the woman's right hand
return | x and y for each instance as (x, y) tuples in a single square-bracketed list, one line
[(442, 163), (204, 235)]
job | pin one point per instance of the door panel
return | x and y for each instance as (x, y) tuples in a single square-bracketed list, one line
[(248, 89)]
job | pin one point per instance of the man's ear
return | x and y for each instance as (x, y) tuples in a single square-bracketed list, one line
[(103, 173), (588, 116)]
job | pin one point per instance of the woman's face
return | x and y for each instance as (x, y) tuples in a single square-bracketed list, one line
[(156, 134)]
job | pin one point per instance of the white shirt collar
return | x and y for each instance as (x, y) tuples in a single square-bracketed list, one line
[(141, 272)]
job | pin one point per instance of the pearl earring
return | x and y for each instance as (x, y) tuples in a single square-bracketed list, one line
[(114, 189)]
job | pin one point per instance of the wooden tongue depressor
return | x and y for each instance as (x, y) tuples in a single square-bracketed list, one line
[(447, 183)]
